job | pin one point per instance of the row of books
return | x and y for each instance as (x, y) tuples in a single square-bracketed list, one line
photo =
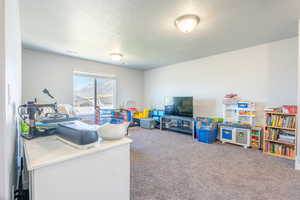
[(271, 134), (286, 138), (289, 109), (273, 109), (279, 149), (280, 135), (281, 121)]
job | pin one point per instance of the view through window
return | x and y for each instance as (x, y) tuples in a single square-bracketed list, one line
[(91, 92)]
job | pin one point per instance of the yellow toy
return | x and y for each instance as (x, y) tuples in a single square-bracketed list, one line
[(140, 115)]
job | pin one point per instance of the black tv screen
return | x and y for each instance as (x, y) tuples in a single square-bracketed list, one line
[(179, 106)]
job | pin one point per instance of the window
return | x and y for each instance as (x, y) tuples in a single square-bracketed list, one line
[(91, 92), (105, 93)]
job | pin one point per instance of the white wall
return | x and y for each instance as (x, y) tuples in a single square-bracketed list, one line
[(297, 163), (45, 70), (2, 99), (265, 74), (10, 91)]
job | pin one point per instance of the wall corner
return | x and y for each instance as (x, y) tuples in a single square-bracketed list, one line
[(297, 160)]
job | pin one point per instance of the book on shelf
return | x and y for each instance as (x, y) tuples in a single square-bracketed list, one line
[(286, 132), (281, 121), (285, 109), (289, 109), (280, 135), (273, 109), (272, 134), (279, 149), (284, 138)]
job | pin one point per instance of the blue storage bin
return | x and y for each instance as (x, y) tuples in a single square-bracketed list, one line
[(116, 121), (157, 113), (161, 113), (129, 116), (207, 135), (157, 119)]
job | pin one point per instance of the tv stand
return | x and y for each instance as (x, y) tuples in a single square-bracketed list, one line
[(178, 124)]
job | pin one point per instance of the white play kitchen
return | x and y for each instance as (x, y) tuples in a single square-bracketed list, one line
[(239, 117)]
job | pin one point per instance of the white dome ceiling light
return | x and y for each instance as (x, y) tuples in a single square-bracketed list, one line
[(187, 23), (116, 56)]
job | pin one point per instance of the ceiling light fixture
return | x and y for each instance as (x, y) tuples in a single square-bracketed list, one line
[(187, 23), (116, 56)]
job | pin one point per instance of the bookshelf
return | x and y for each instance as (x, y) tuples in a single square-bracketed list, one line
[(280, 135)]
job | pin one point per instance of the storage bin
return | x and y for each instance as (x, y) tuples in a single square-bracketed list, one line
[(161, 113), (207, 135), (154, 113), (148, 123), (116, 121), (157, 114), (106, 111), (203, 122), (144, 114)]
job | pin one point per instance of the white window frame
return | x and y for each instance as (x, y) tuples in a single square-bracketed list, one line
[(100, 76)]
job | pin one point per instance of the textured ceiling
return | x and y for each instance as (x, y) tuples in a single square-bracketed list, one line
[(144, 31)]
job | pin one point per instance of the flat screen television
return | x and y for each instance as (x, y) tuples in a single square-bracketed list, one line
[(179, 106)]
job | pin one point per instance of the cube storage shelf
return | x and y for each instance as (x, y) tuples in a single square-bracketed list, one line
[(105, 115), (256, 137)]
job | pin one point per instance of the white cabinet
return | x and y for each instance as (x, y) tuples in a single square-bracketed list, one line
[(58, 171)]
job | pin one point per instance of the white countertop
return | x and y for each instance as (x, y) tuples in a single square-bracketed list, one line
[(44, 151)]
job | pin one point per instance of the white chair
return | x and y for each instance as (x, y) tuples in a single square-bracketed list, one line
[(113, 131), (66, 109)]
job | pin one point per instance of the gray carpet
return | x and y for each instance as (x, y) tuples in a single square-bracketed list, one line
[(171, 166)]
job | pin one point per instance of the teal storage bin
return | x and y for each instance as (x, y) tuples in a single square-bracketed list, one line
[(148, 123)]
